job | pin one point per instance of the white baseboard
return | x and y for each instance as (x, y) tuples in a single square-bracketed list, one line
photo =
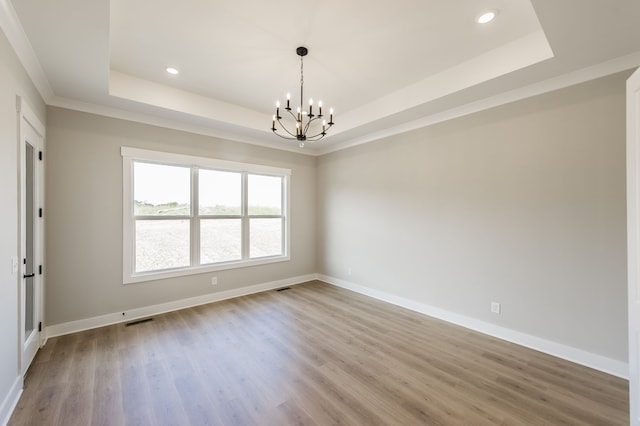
[(579, 356), (133, 314), (10, 401)]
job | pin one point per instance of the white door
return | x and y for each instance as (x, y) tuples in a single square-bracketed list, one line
[(31, 244), (633, 241)]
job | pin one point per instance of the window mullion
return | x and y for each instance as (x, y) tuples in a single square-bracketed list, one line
[(245, 218), (284, 212), (195, 217)]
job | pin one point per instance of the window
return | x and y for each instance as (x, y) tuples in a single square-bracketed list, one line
[(186, 215)]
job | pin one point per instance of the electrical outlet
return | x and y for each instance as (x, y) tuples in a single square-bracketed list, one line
[(14, 265), (495, 308), (214, 280), (349, 271)]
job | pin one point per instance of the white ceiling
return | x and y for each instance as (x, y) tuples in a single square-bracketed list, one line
[(385, 67)]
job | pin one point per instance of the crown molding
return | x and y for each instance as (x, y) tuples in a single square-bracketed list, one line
[(17, 37), (556, 83), (153, 120), (576, 77)]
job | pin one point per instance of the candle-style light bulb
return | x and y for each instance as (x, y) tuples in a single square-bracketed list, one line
[(320, 106), (311, 106), (330, 115), (288, 99)]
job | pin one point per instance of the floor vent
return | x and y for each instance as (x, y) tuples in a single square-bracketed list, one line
[(284, 288), (138, 322)]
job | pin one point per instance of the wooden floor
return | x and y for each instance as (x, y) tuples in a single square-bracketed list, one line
[(314, 354)]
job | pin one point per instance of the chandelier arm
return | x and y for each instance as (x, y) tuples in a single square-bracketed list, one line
[(295, 118), (306, 127), (285, 137), (323, 133), (326, 127), (316, 135), (315, 138), (318, 117), (285, 128)]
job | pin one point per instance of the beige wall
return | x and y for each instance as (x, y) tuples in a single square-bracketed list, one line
[(13, 81), (522, 204), (84, 215)]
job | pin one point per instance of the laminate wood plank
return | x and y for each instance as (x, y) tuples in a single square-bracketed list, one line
[(135, 390), (165, 400), (288, 413), (107, 392), (32, 382), (77, 406), (311, 355)]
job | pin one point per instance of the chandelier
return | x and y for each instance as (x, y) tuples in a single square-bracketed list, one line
[(309, 127)]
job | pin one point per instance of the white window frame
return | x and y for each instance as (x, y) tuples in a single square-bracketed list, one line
[(130, 155)]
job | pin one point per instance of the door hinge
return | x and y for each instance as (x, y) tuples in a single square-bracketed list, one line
[(40, 212), (40, 155), (40, 326), (40, 270)]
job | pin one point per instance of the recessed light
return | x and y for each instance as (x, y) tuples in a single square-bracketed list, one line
[(172, 70), (487, 16)]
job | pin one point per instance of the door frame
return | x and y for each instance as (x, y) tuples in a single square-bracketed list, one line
[(633, 242), (30, 129)]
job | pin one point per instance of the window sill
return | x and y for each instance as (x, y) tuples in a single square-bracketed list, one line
[(181, 272)]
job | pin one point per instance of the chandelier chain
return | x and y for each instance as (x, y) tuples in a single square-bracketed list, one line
[(301, 80)]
